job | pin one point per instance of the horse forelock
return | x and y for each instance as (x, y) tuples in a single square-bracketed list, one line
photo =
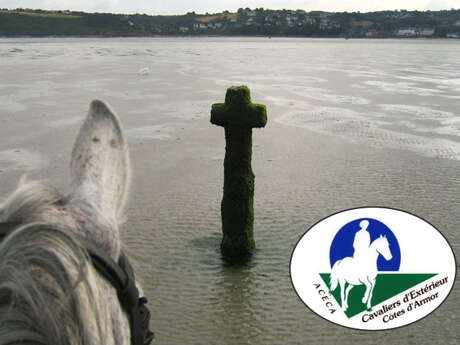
[(47, 283), (28, 201), (36, 201)]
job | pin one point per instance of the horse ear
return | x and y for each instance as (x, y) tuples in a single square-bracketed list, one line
[(100, 167)]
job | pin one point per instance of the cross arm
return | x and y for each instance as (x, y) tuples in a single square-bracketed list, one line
[(238, 110)]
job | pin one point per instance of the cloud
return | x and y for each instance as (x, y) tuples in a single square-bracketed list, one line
[(213, 6), (86, 5), (81, 5), (436, 5)]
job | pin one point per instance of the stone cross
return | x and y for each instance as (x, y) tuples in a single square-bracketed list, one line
[(238, 116)]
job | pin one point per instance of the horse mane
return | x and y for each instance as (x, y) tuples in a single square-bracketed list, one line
[(27, 201), (45, 295)]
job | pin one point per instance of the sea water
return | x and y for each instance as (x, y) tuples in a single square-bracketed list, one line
[(351, 123)]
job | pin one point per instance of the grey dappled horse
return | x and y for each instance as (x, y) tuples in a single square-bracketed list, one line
[(50, 292)]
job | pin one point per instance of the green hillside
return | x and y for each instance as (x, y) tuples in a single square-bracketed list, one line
[(261, 22)]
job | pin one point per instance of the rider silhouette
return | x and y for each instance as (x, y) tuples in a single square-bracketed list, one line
[(362, 240)]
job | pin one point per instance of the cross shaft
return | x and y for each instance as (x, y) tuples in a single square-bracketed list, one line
[(238, 116)]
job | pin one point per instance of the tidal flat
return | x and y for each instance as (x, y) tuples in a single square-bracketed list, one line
[(351, 123)]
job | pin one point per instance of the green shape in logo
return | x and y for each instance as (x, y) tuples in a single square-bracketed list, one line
[(387, 285)]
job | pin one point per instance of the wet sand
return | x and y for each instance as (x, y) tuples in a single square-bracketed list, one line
[(319, 154)]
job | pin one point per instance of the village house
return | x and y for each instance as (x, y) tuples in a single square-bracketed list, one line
[(199, 26), (414, 31), (250, 22), (406, 32), (427, 31), (214, 25), (371, 33), (309, 20), (323, 24)]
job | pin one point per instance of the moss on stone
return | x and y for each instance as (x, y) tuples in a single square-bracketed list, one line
[(238, 110), (238, 116)]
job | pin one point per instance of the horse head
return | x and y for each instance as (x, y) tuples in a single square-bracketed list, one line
[(383, 247), (50, 292)]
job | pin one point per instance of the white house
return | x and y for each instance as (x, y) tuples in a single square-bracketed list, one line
[(428, 31), (197, 26), (323, 24), (214, 25), (406, 32), (250, 21), (309, 20)]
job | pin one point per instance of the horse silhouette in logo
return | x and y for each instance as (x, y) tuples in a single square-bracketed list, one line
[(361, 268)]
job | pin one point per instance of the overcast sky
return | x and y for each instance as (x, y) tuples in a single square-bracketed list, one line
[(214, 6)]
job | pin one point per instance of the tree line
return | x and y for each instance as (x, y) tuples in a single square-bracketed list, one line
[(19, 22)]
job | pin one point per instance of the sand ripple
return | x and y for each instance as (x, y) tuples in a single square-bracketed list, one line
[(20, 159), (381, 130)]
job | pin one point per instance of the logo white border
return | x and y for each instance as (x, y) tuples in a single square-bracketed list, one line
[(311, 257)]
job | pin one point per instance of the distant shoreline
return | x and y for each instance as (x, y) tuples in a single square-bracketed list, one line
[(226, 36), (244, 23)]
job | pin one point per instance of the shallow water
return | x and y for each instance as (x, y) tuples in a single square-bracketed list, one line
[(351, 123)]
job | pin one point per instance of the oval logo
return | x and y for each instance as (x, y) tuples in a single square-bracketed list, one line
[(372, 268)]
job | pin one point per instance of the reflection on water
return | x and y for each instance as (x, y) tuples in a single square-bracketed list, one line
[(351, 123)]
